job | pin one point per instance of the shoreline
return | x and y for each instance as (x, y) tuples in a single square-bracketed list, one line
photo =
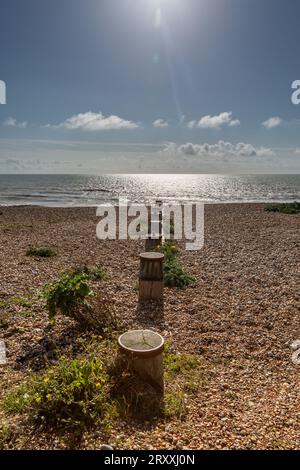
[(41, 206)]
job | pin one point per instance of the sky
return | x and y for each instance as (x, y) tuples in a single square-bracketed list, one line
[(149, 86)]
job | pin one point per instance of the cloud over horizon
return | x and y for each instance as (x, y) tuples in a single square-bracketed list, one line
[(91, 121), (215, 122), (220, 150), (160, 123), (12, 122)]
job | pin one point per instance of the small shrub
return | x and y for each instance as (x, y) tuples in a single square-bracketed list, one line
[(284, 208), (73, 393), (175, 275), (176, 363), (67, 294), (92, 273), (175, 405), (169, 249), (70, 293), (41, 251)]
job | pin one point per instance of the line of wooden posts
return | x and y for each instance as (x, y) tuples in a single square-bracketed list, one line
[(143, 349)]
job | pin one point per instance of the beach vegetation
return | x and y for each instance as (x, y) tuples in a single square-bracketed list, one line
[(41, 251), (21, 301), (72, 393), (98, 388), (71, 295), (175, 274), (15, 227), (25, 313), (92, 272), (284, 207), (169, 249)]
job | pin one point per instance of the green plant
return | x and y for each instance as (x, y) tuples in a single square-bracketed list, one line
[(175, 405), (284, 208), (169, 249), (41, 251), (6, 434), (70, 293), (15, 227), (67, 294), (175, 275), (21, 301), (99, 388), (179, 363), (25, 313), (73, 393), (92, 273)]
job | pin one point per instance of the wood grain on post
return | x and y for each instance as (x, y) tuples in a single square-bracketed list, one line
[(144, 352), (151, 281)]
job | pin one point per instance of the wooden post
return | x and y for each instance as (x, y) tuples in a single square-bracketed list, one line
[(155, 216), (151, 282), (144, 352)]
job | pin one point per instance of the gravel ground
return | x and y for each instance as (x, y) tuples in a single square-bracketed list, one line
[(241, 316)]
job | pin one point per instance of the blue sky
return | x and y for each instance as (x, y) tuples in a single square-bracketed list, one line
[(149, 86)]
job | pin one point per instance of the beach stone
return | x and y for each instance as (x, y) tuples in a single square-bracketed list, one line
[(3, 359)]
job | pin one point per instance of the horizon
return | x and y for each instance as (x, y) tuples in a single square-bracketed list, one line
[(143, 86)]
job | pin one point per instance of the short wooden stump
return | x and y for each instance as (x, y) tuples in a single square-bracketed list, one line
[(144, 351), (151, 279)]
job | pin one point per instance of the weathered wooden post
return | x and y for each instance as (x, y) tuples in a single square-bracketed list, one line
[(151, 279), (155, 218), (143, 350)]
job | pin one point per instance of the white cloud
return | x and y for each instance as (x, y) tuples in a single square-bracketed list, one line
[(219, 150), (234, 123), (215, 122), (161, 123), (297, 151), (272, 122), (12, 122), (90, 121)]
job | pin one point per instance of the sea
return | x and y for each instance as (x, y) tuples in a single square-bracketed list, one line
[(92, 190)]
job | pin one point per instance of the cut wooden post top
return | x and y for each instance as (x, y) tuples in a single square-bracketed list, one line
[(152, 256), (141, 342)]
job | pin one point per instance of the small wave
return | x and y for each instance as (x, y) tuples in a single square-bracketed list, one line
[(90, 190), (20, 196)]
